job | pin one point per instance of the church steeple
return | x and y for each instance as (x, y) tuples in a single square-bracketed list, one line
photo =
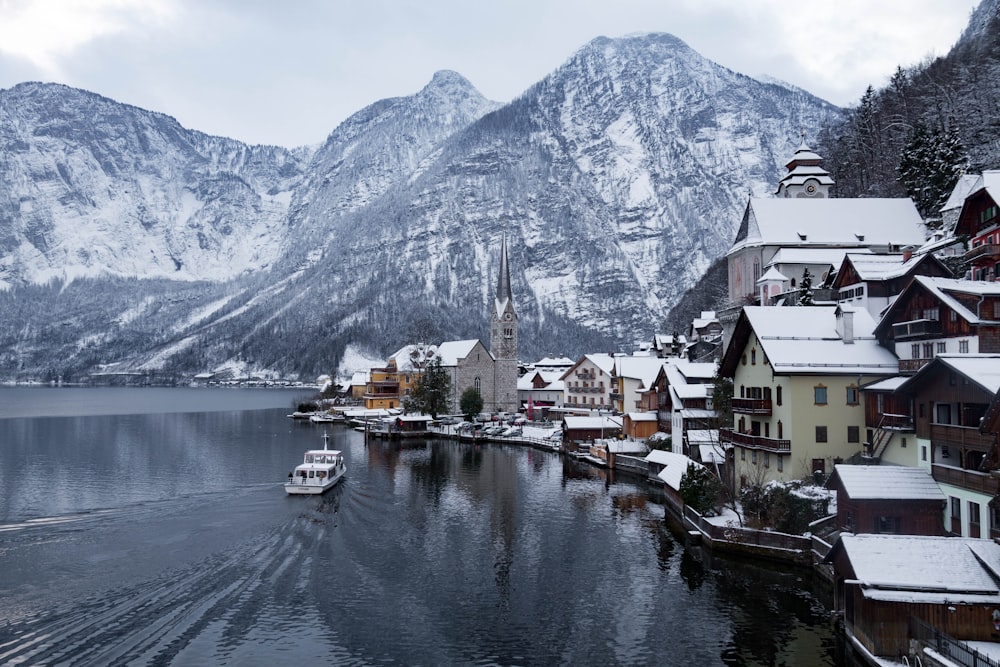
[(503, 336), (806, 177)]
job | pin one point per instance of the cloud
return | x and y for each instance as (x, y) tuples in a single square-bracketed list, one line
[(43, 32)]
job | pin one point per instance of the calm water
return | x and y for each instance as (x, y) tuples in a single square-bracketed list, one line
[(135, 530)]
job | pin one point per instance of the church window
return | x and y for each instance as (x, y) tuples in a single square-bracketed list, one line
[(477, 384)]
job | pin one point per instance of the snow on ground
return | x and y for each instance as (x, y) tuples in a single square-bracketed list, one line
[(355, 360)]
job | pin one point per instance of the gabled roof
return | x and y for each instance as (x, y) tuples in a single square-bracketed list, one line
[(871, 267), (963, 188), (916, 568), (945, 291), (844, 223), (831, 256), (982, 369), (675, 465), (452, 351), (605, 362), (772, 274), (886, 482), (805, 340), (642, 368)]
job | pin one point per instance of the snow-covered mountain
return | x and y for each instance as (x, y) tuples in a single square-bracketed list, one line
[(618, 178)]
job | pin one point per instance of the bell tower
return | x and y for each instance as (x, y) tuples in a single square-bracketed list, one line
[(503, 338), (806, 177)]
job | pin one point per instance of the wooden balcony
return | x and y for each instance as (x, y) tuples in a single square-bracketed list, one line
[(752, 406), (970, 480), (962, 437), (986, 251), (729, 436), (911, 366), (916, 329)]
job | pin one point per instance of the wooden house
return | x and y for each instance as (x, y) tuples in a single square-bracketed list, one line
[(890, 587), (979, 220), (889, 430), (935, 316), (951, 395), (872, 281), (886, 499), (639, 425)]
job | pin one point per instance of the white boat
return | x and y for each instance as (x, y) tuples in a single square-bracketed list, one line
[(320, 469), (323, 418)]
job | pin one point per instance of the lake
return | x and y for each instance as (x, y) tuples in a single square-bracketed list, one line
[(150, 527)]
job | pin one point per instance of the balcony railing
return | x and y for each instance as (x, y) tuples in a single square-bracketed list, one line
[(752, 406), (729, 436), (985, 251), (912, 365), (971, 480), (966, 437), (916, 329)]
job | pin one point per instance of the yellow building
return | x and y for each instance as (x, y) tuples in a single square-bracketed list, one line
[(389, 386), (797, 377)]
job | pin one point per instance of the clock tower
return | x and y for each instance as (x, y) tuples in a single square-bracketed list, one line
[(503, 338)]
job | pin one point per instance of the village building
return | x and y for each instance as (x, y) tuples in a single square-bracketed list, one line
[(797, 376), (887, 499), (389, 385), (633, 377), (979, 220), (540, 391), (685, 392), (803, 217), (589, 383), (951, 395), (934, 316), (704, 339), (898, 594), (873, 281), (889, 430)]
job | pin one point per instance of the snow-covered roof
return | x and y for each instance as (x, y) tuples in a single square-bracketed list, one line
[(702, 436), (642, 368), (918, 568), (887, 482), (550, 378), (360, 378), (983, 369), (450, 352), (831, 256), (698, 413), (642, 416), (580, 423), (674, 466), (887, 384), (804, 339), (882, 267), (773, 274), (989, 180), (554, 362), (848, 222), (963, 188), (696, 370), (707, 317)]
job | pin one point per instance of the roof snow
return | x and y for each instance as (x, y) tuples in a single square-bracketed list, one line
[(881, 267), (887, 482), (785, 221), (805, 339), (674, 466), (452, 351)]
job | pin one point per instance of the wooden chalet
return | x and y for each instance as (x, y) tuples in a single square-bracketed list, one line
[(871, 281), (951, 395), (886, 499), (935, 316), (891, 588), (979, 220), (889, 430)]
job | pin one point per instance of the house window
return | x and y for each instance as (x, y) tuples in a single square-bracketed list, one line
[(931, 313), (963, 346), (753, 456), (852, 395), (956, 514), (779, 430), (819, 395), (820, 434), (778, 391), (743, 454), (942, 347), (915, 351), (767, 459), (953, 316), (996, 309), (743, 360), (853, 434), (902, 443), (887, 525), (973, 519), (781, 463), (928, 350), (923, 452)]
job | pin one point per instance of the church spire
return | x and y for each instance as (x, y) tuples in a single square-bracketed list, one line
[(504, 294)]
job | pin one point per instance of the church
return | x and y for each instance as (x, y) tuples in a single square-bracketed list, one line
[(493, 371)]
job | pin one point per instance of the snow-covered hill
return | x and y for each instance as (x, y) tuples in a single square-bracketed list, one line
[(618, 178)]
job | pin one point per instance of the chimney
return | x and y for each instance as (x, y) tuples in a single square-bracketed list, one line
[(845, 325), (907, 253)]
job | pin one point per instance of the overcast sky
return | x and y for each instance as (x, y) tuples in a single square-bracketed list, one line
[(287, 72)]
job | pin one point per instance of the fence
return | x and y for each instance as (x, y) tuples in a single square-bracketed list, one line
[(764, 543), (957, 651)]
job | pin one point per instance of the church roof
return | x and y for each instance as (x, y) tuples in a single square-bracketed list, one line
[(504, 294), (452, 351), (847, 223)]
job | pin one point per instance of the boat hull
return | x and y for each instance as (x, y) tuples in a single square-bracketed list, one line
[(299, 488)]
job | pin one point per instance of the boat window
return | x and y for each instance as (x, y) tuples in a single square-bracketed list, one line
[(309, 458), (312, 473)]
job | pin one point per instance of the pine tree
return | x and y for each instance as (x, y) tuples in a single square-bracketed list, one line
[(807, 294), (430, 395)]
